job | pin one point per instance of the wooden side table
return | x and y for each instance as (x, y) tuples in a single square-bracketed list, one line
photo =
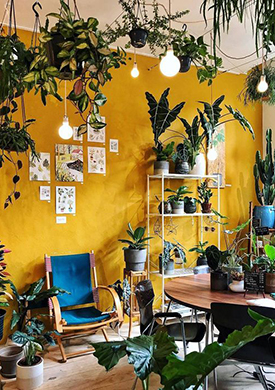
[(133, 277)]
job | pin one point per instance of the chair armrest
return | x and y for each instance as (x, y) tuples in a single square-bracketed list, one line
[(116, 301), (57, 314)]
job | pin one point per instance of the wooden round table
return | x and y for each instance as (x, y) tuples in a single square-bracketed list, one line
[(194, 291)]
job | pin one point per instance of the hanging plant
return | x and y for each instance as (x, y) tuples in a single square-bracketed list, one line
[(250, 93)]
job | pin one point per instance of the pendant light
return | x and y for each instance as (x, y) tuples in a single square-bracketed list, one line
[(135, 71), (65, 131), (170, 64), (262, 87), (212, 153)]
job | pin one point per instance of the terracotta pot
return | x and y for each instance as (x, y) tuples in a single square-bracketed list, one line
[(270, 282), (206, 208)]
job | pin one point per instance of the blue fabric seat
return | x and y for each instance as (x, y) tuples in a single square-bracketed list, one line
[(83, 315)]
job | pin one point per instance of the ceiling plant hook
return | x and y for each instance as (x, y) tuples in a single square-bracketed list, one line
[(36, 4)]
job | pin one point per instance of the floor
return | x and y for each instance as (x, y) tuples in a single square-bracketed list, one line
[(84, 373)]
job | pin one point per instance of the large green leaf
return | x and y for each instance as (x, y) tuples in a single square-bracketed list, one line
[(161, 115), (241, 119), (109, 354), (196, 366), (270, 251), (34, 289), (14, 319), (51, 292)]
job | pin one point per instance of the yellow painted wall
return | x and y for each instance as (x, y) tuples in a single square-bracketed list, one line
[(105, 204)]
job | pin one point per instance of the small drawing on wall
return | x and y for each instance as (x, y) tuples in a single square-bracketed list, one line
[(96, 135), (68, 162), (65, 200), (77, 137), (40, 168), (96, 160), (114, 145), (45, 193)]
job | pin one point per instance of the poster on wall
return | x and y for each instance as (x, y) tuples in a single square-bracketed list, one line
[(217, 166), (65, 200), (68, 162), (45, 193), (96, 135), (96, 160), (40, 167), (77, 137)]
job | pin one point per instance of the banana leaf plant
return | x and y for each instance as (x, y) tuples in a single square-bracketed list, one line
[(157, 354)]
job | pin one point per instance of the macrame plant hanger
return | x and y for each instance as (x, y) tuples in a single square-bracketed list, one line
[(37, 24)]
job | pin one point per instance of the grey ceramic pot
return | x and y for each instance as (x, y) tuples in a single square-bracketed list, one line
[(182, 167), (178, 207), (228, 269), (161, 167), (135, 259), (9, 356), (170, 267)]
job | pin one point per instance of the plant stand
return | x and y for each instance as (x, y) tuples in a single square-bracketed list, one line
[(133, 277)]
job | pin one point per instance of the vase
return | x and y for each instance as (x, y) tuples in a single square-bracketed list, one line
[(200, 166), (178, 207)]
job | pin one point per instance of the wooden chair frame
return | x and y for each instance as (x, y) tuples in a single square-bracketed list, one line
[(69, 331)]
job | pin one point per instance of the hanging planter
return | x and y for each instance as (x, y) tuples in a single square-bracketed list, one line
[(138, 37), (185, 63)]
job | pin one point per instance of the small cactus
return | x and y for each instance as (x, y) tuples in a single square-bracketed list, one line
[(264, 172)]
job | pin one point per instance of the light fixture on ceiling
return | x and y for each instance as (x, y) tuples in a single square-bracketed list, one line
[(65, 131), (262, 87), (135, 71), (170, 64)]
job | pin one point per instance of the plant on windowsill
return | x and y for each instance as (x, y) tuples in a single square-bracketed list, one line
[(200, 250), (171, 251), (218, 279), (136, 252), (181, 158), (205, 194), (177, 198)]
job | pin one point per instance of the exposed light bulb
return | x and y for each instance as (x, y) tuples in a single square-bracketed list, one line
[(135, 71), (65, 131), (212, 154), (262, 86), (170, 64)]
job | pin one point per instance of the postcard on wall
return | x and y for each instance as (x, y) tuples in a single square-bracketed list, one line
[(68, 162), (114, 145), (77, 137), (217, 166), (96, 160), (96, 135), (40, 167), (65, 200), (45, 193)]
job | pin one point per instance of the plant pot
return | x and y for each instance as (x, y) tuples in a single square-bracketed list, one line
[(53, 48), (170, 267), (270, 282), (206, 208), (138, 37), (185, 63), (200, 165), (2, 318), (226, 268), (29, 377), (265, 214), (9, 356), (219, 281), (190, 207), (202, 260), (178, 207), (166, 209), (161, 167), (237, 286), (135, 259), (182, 167)]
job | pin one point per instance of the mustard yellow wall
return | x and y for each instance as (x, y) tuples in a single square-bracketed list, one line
[(104, 204)]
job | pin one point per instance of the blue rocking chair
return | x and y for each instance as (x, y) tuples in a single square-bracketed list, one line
[(77, 313)]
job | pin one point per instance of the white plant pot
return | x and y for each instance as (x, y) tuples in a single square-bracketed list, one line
[(29, 377), (200, 165), (237, 286)]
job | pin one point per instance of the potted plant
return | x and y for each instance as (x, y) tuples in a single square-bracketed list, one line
[(166, 258), (164, 207), (177, 198), (264, 171), (200, 250), (190, 205), (268, 262), (135, 253), (161, 165), (232, 262), (218, 279), (237, 284), (181, 158), (205, 195)]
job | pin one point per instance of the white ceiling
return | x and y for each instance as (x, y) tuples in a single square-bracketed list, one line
[(239, 42)]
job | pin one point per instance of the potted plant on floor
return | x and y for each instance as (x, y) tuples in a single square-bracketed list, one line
[(181, 158), (264, 171), (190, 205), (205, 194), (218, 279), (163, 153), (177, 198), (135, 254), (200, 250), (170, 252), (237, 284)]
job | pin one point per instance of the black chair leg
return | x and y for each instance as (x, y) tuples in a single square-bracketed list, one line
[(261, 377)]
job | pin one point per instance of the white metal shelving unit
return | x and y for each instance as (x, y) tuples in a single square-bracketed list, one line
[(150, 215)]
